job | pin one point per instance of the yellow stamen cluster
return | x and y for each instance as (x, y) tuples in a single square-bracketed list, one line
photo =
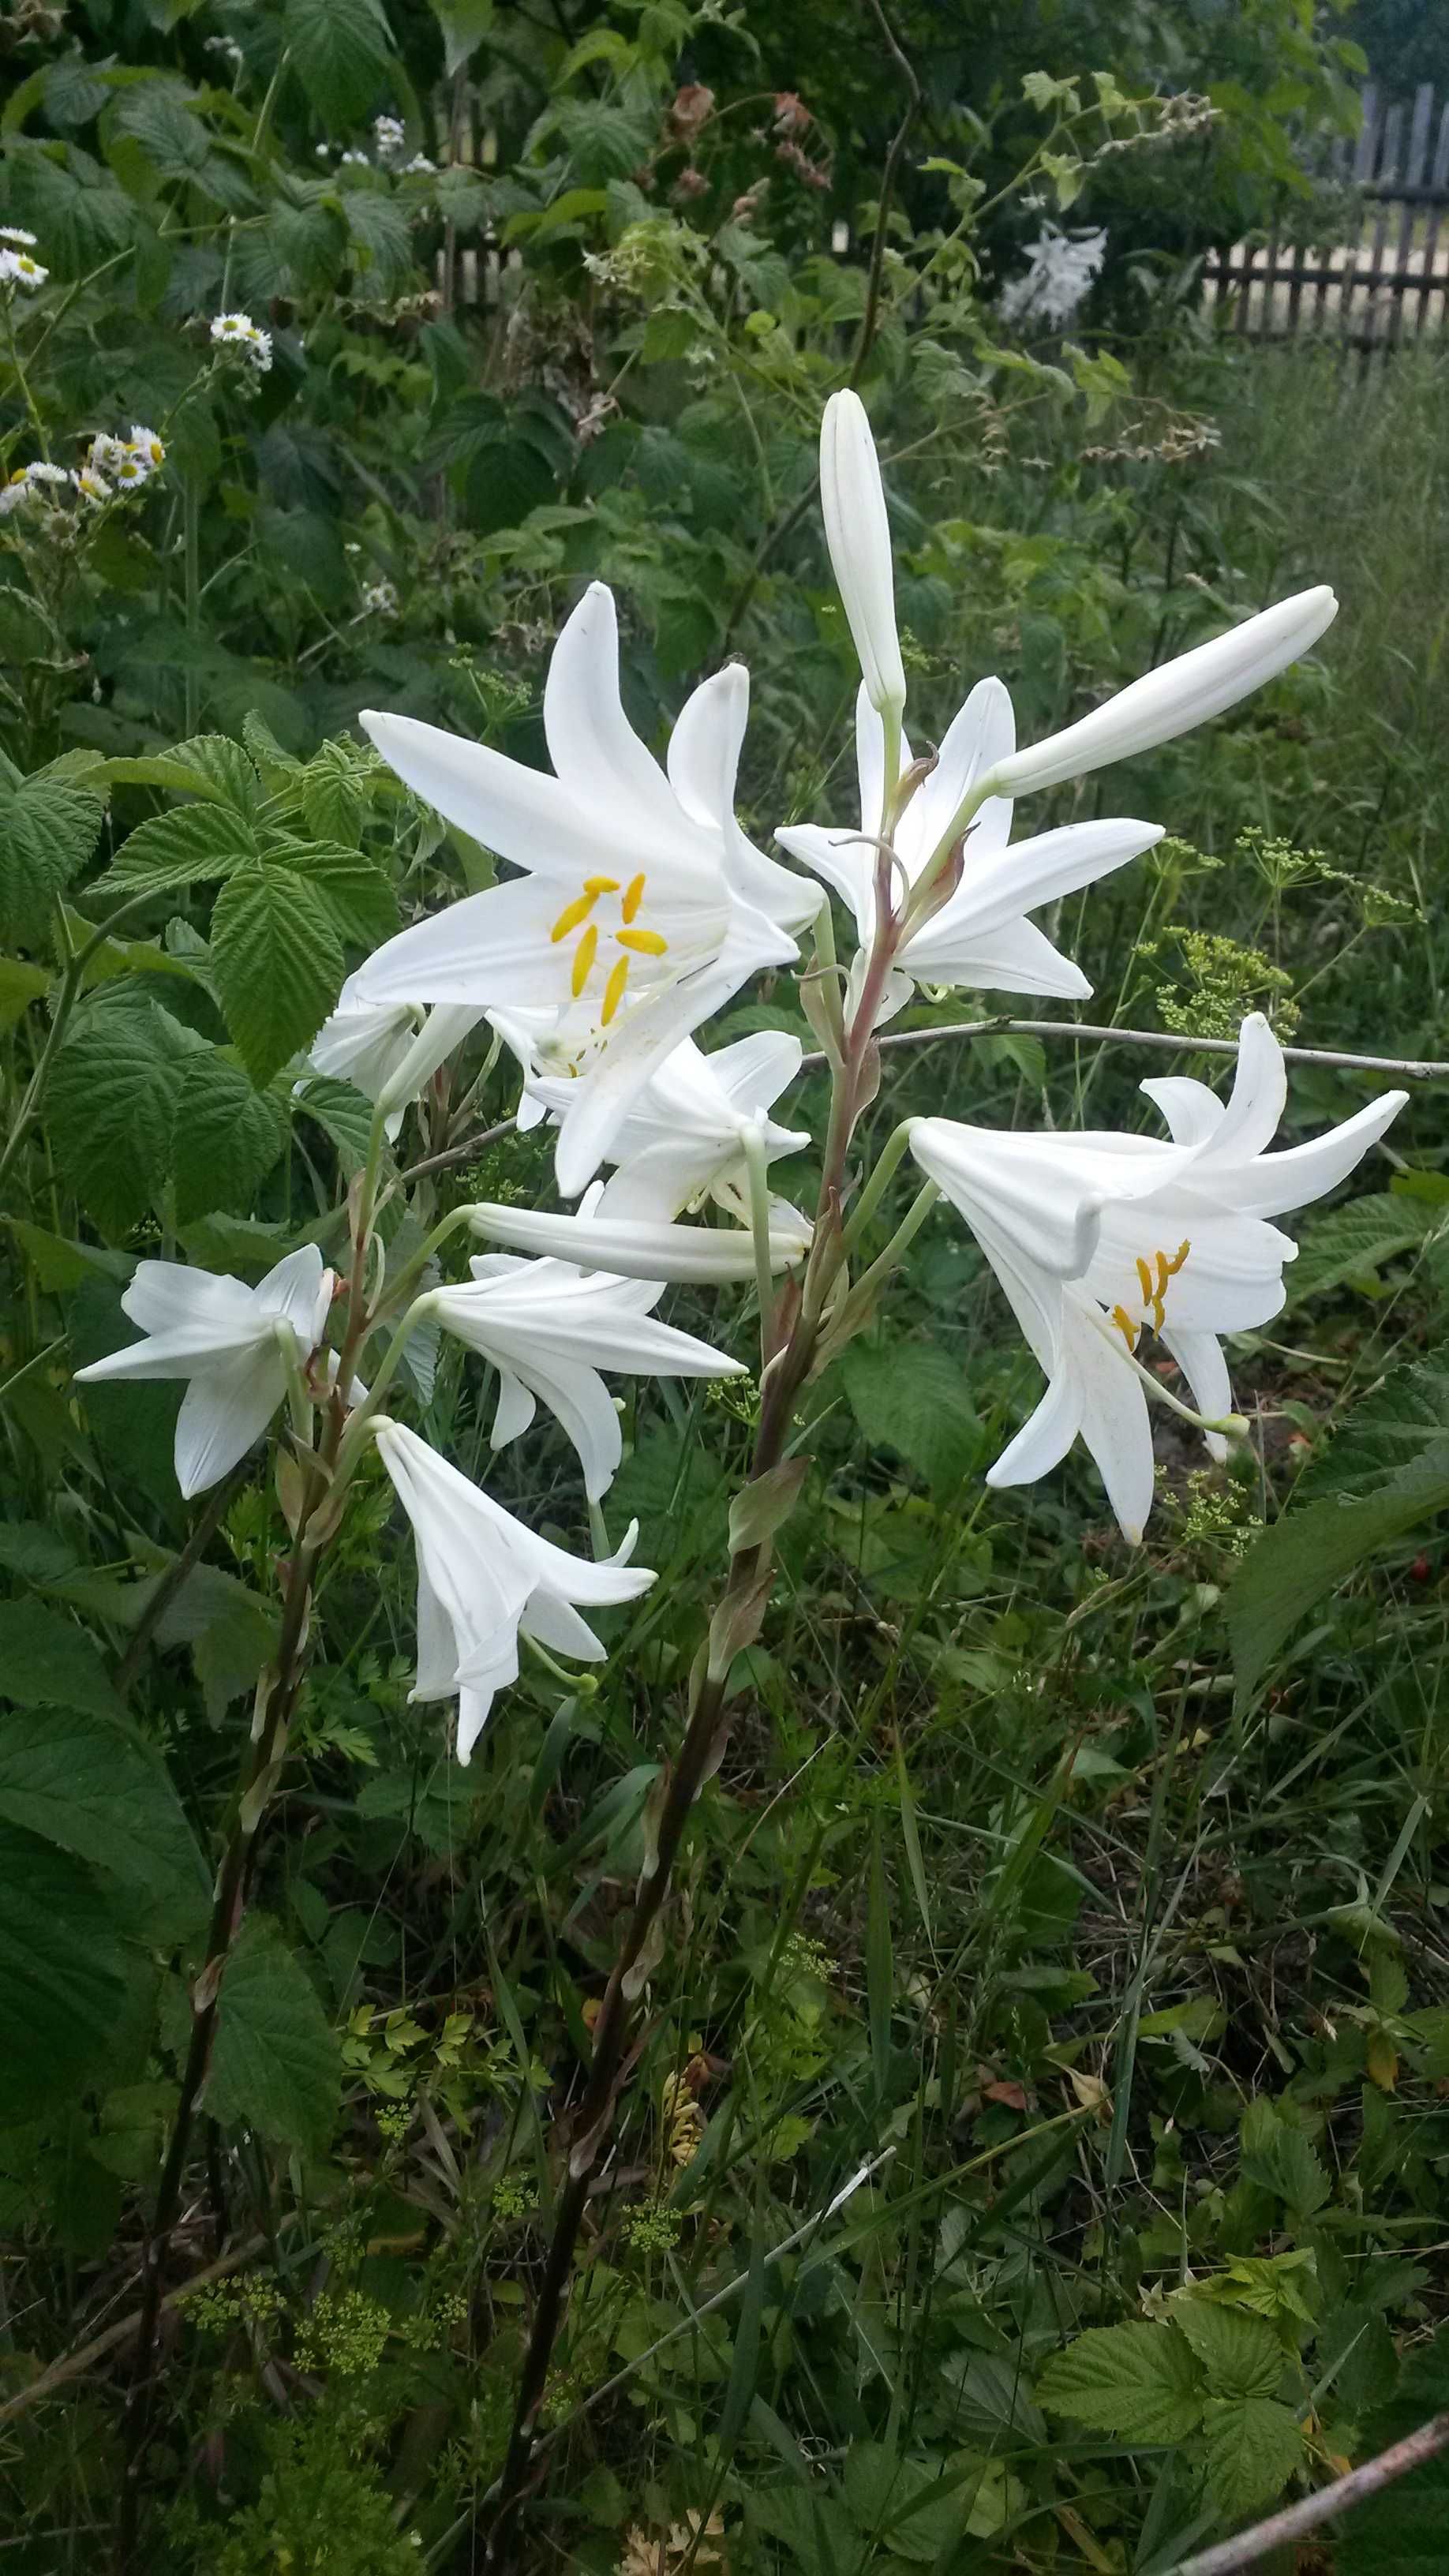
[(635, 943), (1154, 1292)]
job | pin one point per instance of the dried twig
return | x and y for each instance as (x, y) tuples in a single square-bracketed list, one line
[(887, 192), (1408, 1068), (74, 2365), (1325, 2506)]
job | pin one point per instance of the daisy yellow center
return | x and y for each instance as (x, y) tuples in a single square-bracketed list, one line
[(599, 948), (1153, 1274)]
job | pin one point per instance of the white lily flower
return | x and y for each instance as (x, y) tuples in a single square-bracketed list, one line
[(685, 1137), (857, 532), (387, 1050), (1188, 691), (629, 924), (1102, 1239), (483, 1578), (231, 1342), (640, 1247), (980, 937), (549, 1328)]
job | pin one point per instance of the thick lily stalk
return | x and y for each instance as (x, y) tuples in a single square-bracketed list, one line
[(802, 1319)]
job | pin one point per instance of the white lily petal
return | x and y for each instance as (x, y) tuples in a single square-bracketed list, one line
[(1116, 1425), (515, 1409), (442, 1032), (1193, 1112), (169, 1296), (1188, 691), (1017, 958), (1036, 1199), (298, 1291), (1200, 1358), (222, 1412), (857, 532), (594, 748), (523, 814), (1302, 1173), (979, 736), (841, 857)]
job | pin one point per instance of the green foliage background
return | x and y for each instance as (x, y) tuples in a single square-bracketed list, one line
[(1101, 1894)]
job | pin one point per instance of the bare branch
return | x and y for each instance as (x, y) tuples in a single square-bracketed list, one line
[(1408, 1068), (1325, 2506)]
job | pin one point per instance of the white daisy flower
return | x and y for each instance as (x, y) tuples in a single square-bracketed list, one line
[(17, 268), (17, 233), (92, 487), (239, 331)]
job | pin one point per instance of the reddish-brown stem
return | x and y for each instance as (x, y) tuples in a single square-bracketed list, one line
[(738, 1616)]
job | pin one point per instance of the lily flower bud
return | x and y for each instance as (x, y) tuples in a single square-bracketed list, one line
[(1189, 691), (858, 535)]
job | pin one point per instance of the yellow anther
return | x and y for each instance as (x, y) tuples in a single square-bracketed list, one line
[(614, 991), (584, 958), (571, 915), (1145, 1278), (601, 885), (1158, 1312), (1173, 1266), (633, 897), (1125, 1326), (1163, 1273), (645, 943)]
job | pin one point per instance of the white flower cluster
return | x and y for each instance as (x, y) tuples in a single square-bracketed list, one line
[(229, 50), (380, 599), (389, 137), (111, 466), (17, 266), (237, 331), (1061, 269)]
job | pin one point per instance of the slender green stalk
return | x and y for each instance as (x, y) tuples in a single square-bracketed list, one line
[(757, 1167), (886, 1165)]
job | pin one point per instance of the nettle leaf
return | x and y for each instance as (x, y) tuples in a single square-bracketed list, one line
[(278, 964), (46, 1661), (64, 1974), (380, 238), (1253, 2448), (1142, 2382), (1400, 2531), (1385, 1475), (1280, 2159), (48, 828), (341, 53), (110, 1108), (187, 847), (95, 1788), (912, 1398), (218, 768), (1351, 1244), (277, 2066)]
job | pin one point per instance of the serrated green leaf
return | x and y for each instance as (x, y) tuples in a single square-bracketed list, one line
[(46, 1661), (380, 238), (95, 1788), (1253, 2447), (1279, 2158), (1142, 2382), (189, 846), (343, 1113), (911, 1398), (356, 891), (63, 1974), (1240, 2354), (278, 964), (48, 829), (1400, 2531), (464, 24), (1353, 1242), (225, 1134), (20, 985), (110, 1107), (277, 2067), (341, 54)]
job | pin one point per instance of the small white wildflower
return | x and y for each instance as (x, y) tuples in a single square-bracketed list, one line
[(105, 454), (228, 46), (146, 447), (358, 159), (1060, 269), (91, 487), (380, 599), (17, 268), (389, 135), (129, 471), (42, 473), (239, 331), (17, 233), (420, 166), (18, 489), (324, 151)]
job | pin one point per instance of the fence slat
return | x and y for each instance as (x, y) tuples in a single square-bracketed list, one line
[(1413, 174)]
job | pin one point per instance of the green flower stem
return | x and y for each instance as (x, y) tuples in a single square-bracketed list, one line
[(875, 1188), (758, 1170), (854, 1310)]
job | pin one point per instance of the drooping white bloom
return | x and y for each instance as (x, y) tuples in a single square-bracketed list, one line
[(231, 1342), (17, 233), (549, 1328), (1186, 692), (388, 1050), (685, 1137), (857, 532), (483, 1578), (91, 487), (239, 332), (18, 268), (643, 1247), (628, 924), (47, 477), (147, 447), (980, 937), (1100, 1240), (1061, 268)]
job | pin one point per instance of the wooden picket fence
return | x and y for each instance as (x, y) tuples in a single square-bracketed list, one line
[(1389, 286)]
